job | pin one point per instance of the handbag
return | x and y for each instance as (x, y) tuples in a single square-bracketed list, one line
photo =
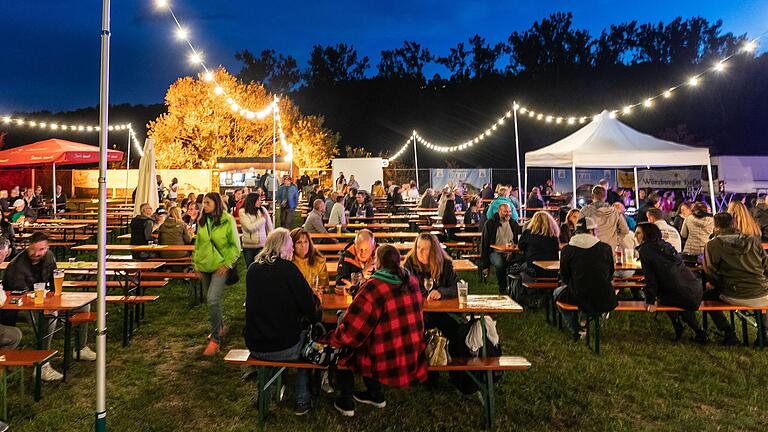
[(437, 348), (233, 276), (319, 353)]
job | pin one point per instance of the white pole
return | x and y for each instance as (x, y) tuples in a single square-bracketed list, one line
[(523, 194), (274, 160), (416, 161), (637, 191), (54, 192), (101, 306), (128, 163), (711, 187), (520, 192), (573, 171)]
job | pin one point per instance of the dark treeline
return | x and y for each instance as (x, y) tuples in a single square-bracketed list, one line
[(552, 66)]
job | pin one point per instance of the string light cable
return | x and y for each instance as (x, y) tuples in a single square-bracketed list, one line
[(569, 120), (196, 58)]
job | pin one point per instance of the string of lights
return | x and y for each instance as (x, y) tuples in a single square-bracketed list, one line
[(196, 58), (648, 102)]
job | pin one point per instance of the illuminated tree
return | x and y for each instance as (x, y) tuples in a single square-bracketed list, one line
[(200, 126)]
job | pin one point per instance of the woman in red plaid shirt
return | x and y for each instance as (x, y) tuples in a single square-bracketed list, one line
[(383, 329)]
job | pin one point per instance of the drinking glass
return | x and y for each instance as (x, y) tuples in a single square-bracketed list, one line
[(463, 289), (428, 284)]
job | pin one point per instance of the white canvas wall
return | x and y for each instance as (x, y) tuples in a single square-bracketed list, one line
[(365, 170)]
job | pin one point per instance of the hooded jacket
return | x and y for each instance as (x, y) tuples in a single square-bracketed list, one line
[(216, 246), (737, 265), (349, 263), (761, 216), (586, 268), (667, 278), (696, 230), (255, 228), (611, 225)]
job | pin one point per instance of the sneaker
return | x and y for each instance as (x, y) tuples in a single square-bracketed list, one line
[(367, 398), (346, 408), (4, 427), (301, 408), (212, 348), (48, 373), (325, 383), (87, 354)]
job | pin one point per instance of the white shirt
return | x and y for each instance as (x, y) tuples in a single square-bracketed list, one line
[(670, 235)]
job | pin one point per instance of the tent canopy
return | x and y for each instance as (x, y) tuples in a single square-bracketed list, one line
[(608, 143), (54, 150)]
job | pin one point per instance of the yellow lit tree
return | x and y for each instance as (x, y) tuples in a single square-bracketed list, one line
[(199, 126)]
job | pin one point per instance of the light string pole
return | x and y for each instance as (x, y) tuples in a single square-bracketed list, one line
[(128, 165), (520, 191), (416, 161)]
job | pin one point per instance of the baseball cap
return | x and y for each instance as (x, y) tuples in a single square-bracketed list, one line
[(585, 223)]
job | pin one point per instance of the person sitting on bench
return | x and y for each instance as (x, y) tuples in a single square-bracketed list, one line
[(668, 279), (36, 265), (357, 257), (501, 230), (737, 267), (383, 331), (9, 336), (586, 271), (142, 227), (277, 301)]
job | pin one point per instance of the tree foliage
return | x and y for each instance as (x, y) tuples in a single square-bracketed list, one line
[(199, 126), (335, 64), (277, 73)]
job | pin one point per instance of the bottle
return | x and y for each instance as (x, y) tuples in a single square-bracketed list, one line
[(619, 254)]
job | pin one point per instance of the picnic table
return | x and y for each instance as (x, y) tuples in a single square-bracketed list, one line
[(510, 248), (371, 226), (459, 265), (65, 227), (379, 235), (477, 303), (555, 265), (137, 248), (64, 304)]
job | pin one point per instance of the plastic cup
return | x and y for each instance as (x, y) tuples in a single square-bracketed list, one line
[(58, 281), (463, 289), (338, 229), (39, 293)]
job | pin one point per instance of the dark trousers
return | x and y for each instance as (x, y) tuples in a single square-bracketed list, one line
[(346, 381), (718, 317), (250, 254), (687, 317), (286, 217)]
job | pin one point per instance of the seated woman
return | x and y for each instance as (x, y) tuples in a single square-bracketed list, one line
[(473, 215), (568, 228), (428, 199), (539, 241), (310, 262), (668, 281), (534, 201), (278, 300), (383, 332), (173, 231), (395, 201), (449, 216), (586, 270)]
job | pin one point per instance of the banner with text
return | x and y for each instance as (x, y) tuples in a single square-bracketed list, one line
[(679, 178), (563, 179), (473, 178)]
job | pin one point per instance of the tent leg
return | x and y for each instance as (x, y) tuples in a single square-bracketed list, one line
[(573, 171), (711, 187), (637, 191), (522, 194), (54, 209)]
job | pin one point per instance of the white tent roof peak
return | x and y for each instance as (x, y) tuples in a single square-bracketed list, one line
[(606, 142)]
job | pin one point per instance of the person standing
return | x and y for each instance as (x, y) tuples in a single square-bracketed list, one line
[(353, 184), (288, 196), (503, 198), (668, 233), (697, 228), (256, 225), (611, 226), (61, 200), (173, 190), (340, 182), (160, 188), (217, 249)]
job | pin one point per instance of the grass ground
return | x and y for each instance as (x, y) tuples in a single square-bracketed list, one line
[(641, 381)]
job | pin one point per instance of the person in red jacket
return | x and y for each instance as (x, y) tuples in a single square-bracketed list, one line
[(383, 330)]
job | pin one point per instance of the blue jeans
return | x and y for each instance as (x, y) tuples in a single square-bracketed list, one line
[(499, 264), (215, 285), (250, 254), (292, 354)]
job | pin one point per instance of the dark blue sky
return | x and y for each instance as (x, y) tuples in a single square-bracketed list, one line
[(50, 48)]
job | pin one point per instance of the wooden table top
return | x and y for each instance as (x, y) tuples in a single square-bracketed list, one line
[(56, 227), (506, 248), (137, 248), (25, 357), (446, 226), (372, 226), (338, 247), (459, 265), (348, 235), (66, 301), (475, 304), (68, 221), (111, 265), (555, 265), (470, 234)]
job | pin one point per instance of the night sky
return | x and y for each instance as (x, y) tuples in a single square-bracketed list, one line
[(50, 49)]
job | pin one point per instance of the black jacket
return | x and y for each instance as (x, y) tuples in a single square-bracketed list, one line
[(348, 263), (6, 230), (760, 212), (588, 273), (21, 274), (366, 208), (278, 301), (141, 230), (474, 218), (488, 237), (538, 247), (566, 232), (447, 285), (667, 278), (640, 216)]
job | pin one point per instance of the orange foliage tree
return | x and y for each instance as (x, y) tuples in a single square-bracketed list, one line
[(199, 126)]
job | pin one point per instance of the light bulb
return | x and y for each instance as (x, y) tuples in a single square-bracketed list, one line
[(549, 118), (161, 3), (195, 58), (668, 93), (648, 103), (559, 120), (750, 46), (208, 76), (181, 33), (571, 120), (218, 90), (627, 109), (693, 82), (523, 110), (719, 66)]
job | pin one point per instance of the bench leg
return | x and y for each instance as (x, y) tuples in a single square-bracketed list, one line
[(760, 328), (125, 325), (704, 322), (4, 393), (38, 381), (67, 346), (262, 399), (597, 334), (744, 330), (490, 401)]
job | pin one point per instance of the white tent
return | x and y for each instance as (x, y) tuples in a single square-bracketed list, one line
[(608, 143), (146, 189)]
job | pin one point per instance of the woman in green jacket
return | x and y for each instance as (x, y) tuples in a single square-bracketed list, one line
[(217, 249)]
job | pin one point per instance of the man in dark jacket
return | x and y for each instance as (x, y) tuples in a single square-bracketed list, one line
[(499, 230), (760, 212), (586, 270), (651, 202), (737, 266), (357, 257), (142, 227), (360, 208)]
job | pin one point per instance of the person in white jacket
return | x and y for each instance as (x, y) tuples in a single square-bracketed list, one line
[(668, 233), (337, 212), (256, 225)]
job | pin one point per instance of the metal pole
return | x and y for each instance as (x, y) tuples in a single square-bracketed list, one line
[(523, 194), (520, 192), (416, 161), (637, 192), (128, 163), (711, 188), (101, 306), (274, 160), (54, 191), (573, 171)]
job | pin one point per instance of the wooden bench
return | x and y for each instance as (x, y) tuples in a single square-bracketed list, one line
[(706, 306), (131, 313), (474, 364), (113, 284), (193, 278), (22, 359)]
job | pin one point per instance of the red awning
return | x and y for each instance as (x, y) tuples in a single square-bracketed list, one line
[(61, 152)]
